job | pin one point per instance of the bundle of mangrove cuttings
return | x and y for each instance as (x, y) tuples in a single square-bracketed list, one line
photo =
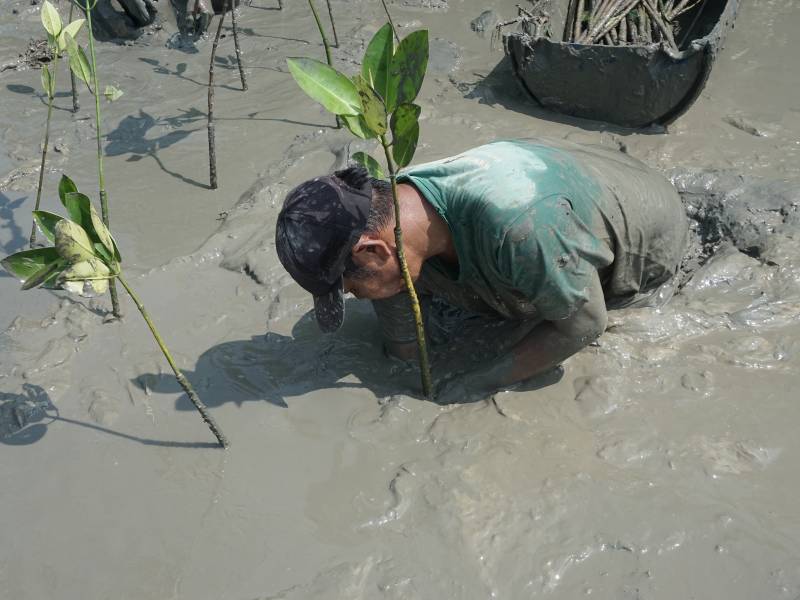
[(626, 22)]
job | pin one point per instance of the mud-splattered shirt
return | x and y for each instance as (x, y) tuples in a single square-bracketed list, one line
[(532, 221)]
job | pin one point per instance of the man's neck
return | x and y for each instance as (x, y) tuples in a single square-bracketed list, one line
[(425, 232)]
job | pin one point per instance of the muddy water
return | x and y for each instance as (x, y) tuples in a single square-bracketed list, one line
[(661, 465)]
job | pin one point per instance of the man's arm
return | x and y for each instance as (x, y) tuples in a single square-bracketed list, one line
[(545, 347)]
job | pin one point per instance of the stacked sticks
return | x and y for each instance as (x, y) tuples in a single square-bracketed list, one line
[(625, 22)]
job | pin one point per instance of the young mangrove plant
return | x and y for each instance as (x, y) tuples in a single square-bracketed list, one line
[(85, 69), (377, 101), (388, 16), (83, 260), (56, 41), (73, 87)]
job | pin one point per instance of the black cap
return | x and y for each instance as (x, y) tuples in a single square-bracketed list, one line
[(320, 222)]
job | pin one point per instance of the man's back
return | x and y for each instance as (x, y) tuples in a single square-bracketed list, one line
[(531, 219)]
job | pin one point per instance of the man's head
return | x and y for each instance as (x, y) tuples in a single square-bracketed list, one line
[(334, 235)]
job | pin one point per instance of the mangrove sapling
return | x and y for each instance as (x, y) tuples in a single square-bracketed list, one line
[(325, 44), (86, 71), (239, 62), (379, 100), (212, 146), (84, 260), (56, 41)]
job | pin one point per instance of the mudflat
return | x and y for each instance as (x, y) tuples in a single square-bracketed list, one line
[(662, 464)]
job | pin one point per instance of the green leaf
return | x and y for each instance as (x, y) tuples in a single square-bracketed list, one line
[(111, 93), (66, 186), (372, 106), (23, 265), (72, 242), (87, 278), (43, 275), (47, 82), (358, 127), (325, 85), (405, 133), (372, 166), (79, 210), (103, 233), (408, 68), (47, 223), (72, 29), (50, 19), (78, 62), (378, 61)]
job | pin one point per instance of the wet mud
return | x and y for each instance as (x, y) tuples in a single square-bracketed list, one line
[(662, 462)]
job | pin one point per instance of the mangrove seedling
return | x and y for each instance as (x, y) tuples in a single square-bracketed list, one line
[(377, 101), (333, 24), (85, 69), (84, 260), (388, 16), (73, 87), (56, 41)]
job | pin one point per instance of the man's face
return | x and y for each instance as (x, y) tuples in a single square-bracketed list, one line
[(378, 270)]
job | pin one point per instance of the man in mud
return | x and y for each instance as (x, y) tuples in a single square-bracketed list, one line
[(534, 240)]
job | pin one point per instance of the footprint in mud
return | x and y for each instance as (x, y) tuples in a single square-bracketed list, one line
[(754, 352), (732, 457), (597, 396)]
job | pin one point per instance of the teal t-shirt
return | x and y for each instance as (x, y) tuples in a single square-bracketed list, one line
[(531, 222)]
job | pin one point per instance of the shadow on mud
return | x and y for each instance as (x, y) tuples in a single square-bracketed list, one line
[(25, 418), (16, 238)]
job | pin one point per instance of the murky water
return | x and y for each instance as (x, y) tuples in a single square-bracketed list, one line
[(661, 465)]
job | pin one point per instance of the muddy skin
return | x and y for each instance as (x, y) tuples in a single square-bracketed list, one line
[(662, 464)]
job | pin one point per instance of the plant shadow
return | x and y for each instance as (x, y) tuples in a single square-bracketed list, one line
[(130, 137), (26, 416), (274, 367), (16, 238), (180, 71), (502, 87)]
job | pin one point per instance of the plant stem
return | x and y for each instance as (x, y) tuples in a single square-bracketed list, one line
[(75, 104), (184, 383), (100, 173), (425, 369), (50, 99), (325, 44), (236, 45), (333, 24), (388, 16), (212, 147)]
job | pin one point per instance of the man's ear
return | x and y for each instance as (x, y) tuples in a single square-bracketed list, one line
[(371, 250)]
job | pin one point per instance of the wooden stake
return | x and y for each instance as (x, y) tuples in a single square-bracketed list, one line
[(212, 149)]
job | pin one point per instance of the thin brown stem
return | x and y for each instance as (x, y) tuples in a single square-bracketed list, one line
[(239, 60), (326, 45), (424, 364), (391, 23), (50, 100), (333, 25), (184, 383), (212, 148)]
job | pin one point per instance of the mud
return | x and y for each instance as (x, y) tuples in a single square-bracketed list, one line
[(662, 464)]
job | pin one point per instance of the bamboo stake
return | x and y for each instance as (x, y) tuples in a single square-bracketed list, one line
[(212, 148), (242, 76), (576, 32), (184, 383), (665, 31), (101, 174)]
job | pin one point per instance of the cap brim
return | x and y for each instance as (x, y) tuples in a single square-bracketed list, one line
[(329, 308)]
